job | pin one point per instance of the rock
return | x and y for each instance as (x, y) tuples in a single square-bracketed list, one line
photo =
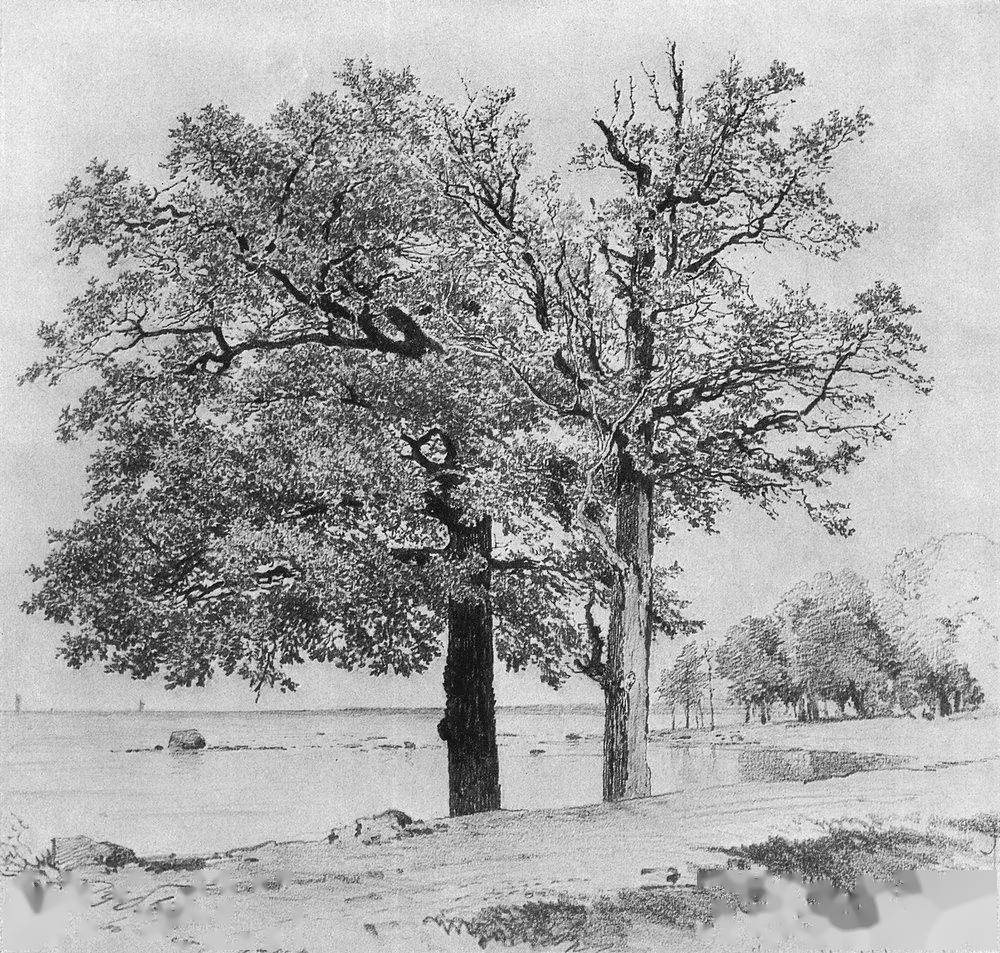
[(410, 745), (187, 739), (657, 877), (81, 851), (573, 736), (537, 751), (388, 826), (157, 747)]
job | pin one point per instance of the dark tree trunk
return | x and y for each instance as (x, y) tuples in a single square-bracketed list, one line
[(626, 678), (687, 715), (857, 700), (957, 706), (943, 705), (469, 724), (746, 716)]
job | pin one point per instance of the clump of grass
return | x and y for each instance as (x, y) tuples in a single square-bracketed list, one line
[(603, 923), (848, 852), (160, 865), (986, 824)]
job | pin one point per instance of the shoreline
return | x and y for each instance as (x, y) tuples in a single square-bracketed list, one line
[(599, 865)]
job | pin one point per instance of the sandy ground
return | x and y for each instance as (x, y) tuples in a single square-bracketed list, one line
[(315, 896)]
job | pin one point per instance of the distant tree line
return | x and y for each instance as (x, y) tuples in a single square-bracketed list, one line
[(832, 645)]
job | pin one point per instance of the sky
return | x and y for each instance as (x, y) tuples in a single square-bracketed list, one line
[(84, 79)]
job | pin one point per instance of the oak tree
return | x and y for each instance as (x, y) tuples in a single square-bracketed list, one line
[(676, 386), (291, 463)]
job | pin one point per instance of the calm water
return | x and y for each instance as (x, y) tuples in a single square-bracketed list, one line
[(69, 773)]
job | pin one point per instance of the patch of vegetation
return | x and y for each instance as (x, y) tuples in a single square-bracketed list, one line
[(985, 823), (603, 923), (160, 865), (848, 852)]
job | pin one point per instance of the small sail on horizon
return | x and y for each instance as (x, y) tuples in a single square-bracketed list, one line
[(142, 705), (17, 702)]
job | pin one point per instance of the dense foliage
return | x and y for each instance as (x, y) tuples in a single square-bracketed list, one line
[(286, 446), (835, 641)]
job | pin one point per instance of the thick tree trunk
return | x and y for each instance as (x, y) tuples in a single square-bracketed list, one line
[(943, 705), (469, 724), (626, 677)]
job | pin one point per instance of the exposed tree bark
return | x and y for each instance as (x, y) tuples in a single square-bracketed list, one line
[(469, 724), (944, 706), (626, 681)]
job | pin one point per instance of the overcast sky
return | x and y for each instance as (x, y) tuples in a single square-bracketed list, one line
[(108, 79)]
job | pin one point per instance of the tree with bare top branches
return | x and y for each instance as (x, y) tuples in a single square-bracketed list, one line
[(634, 325)]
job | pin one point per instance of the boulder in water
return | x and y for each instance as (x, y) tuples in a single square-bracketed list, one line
[(187, 739)]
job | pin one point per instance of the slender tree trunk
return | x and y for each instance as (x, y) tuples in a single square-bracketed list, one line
[(943, 705), (626, 680), (711, 702), (469, 724), (687, 716)]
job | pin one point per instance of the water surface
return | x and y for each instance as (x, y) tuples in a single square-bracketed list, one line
[(69, 773)]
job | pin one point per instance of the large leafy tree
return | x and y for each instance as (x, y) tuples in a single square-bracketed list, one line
[(940, 600), (753, 659), (840, 648), (677, 390), (291, 461)]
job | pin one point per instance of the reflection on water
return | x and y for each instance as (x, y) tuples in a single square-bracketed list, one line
[(72, 773), (770, 764)]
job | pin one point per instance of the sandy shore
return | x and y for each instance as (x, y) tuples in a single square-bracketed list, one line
[(403, 895)]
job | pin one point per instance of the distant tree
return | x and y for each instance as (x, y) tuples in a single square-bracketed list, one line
[(708, 655), (684, 682), (292, 462), (753, 660), (840, 647), (942, 602), (632, 321)]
